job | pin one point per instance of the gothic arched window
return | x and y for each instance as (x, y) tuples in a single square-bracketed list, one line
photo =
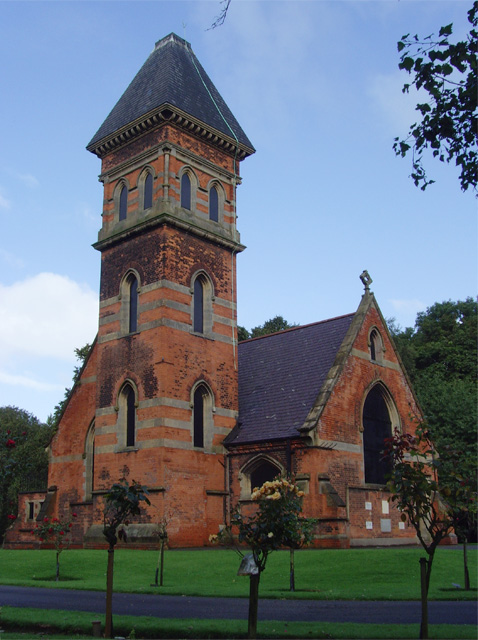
[(377, 426), (186, 191), (127, 415), (376, 346), (265, 471), (133, 305), (198, 411), (213, 205), (123, 203), (129, 296), (148, 191), (198, 317), (90, 462)]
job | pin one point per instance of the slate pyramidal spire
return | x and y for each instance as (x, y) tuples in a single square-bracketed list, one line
[(171, 86)]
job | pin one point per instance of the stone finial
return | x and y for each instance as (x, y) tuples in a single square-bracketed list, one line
[(366, 279)]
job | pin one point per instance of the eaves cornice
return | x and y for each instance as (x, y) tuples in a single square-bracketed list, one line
[(169, 114)]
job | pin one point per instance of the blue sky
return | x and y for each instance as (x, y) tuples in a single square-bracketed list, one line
[(315, 86)]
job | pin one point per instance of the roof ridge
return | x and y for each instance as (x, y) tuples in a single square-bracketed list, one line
[(172, 37), (300, 326)]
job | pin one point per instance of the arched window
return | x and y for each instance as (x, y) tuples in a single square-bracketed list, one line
[(198, 411), (128, 414), (202, 292), (148, 192), (213, 205), (133, 305), (186, 191), (129, 296), (90, 462), (377, 426), (123, 203), (263, 472), (202, 417), (257, 471), (198, 318), (376, 346)]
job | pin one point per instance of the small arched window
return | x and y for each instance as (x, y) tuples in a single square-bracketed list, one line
[(133, 305), (186, 191), (213, 205), (148, 192), (198, 318), (198, 411), (377, 426), (130, 407), (376, 346), (90, 462), (265, 471), (123, 203)]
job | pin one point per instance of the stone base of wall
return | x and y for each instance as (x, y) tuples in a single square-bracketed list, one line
[(382, 542), (139, 536)]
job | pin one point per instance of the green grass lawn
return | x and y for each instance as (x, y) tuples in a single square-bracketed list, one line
[(348, 574)]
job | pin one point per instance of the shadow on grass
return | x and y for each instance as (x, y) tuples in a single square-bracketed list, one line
[(52, 578)]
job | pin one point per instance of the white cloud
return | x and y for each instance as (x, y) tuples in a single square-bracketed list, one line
[(47, 315), (4, 203), (398, 109), (28, 382), (28, 180), (10, 259), (406, 310)]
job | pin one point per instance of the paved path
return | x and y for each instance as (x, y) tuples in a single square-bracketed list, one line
[(162, 606)]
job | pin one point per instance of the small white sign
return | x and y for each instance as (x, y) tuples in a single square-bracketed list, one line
[(369, 524), (385, 507), (401, 525), (368, 506), (386, 525)]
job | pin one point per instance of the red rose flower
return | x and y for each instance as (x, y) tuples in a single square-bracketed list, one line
[(10, 444), (62, 533), (74, 515), (12, 517)]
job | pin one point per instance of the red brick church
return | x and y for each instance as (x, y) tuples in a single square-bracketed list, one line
[(167, 396)]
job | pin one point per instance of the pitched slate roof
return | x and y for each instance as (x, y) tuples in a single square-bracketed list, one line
[(172, 75), (280, 377)]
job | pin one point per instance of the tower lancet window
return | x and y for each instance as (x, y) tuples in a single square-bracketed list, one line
[(186, 191), (198, 435), (133, 305), (198, 319), (123, 203), (148, 192), (128, 414), (213, 205)]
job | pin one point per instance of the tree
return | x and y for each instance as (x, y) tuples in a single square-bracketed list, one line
[(219, 19), (81, 354), (440, 355), (23, 459), (278, 323), (428, 496), (448, 125), (277, 523), (121, 502), (161, 533), (56, 532)]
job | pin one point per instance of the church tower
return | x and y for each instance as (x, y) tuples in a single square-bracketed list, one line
[(166, 390)]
